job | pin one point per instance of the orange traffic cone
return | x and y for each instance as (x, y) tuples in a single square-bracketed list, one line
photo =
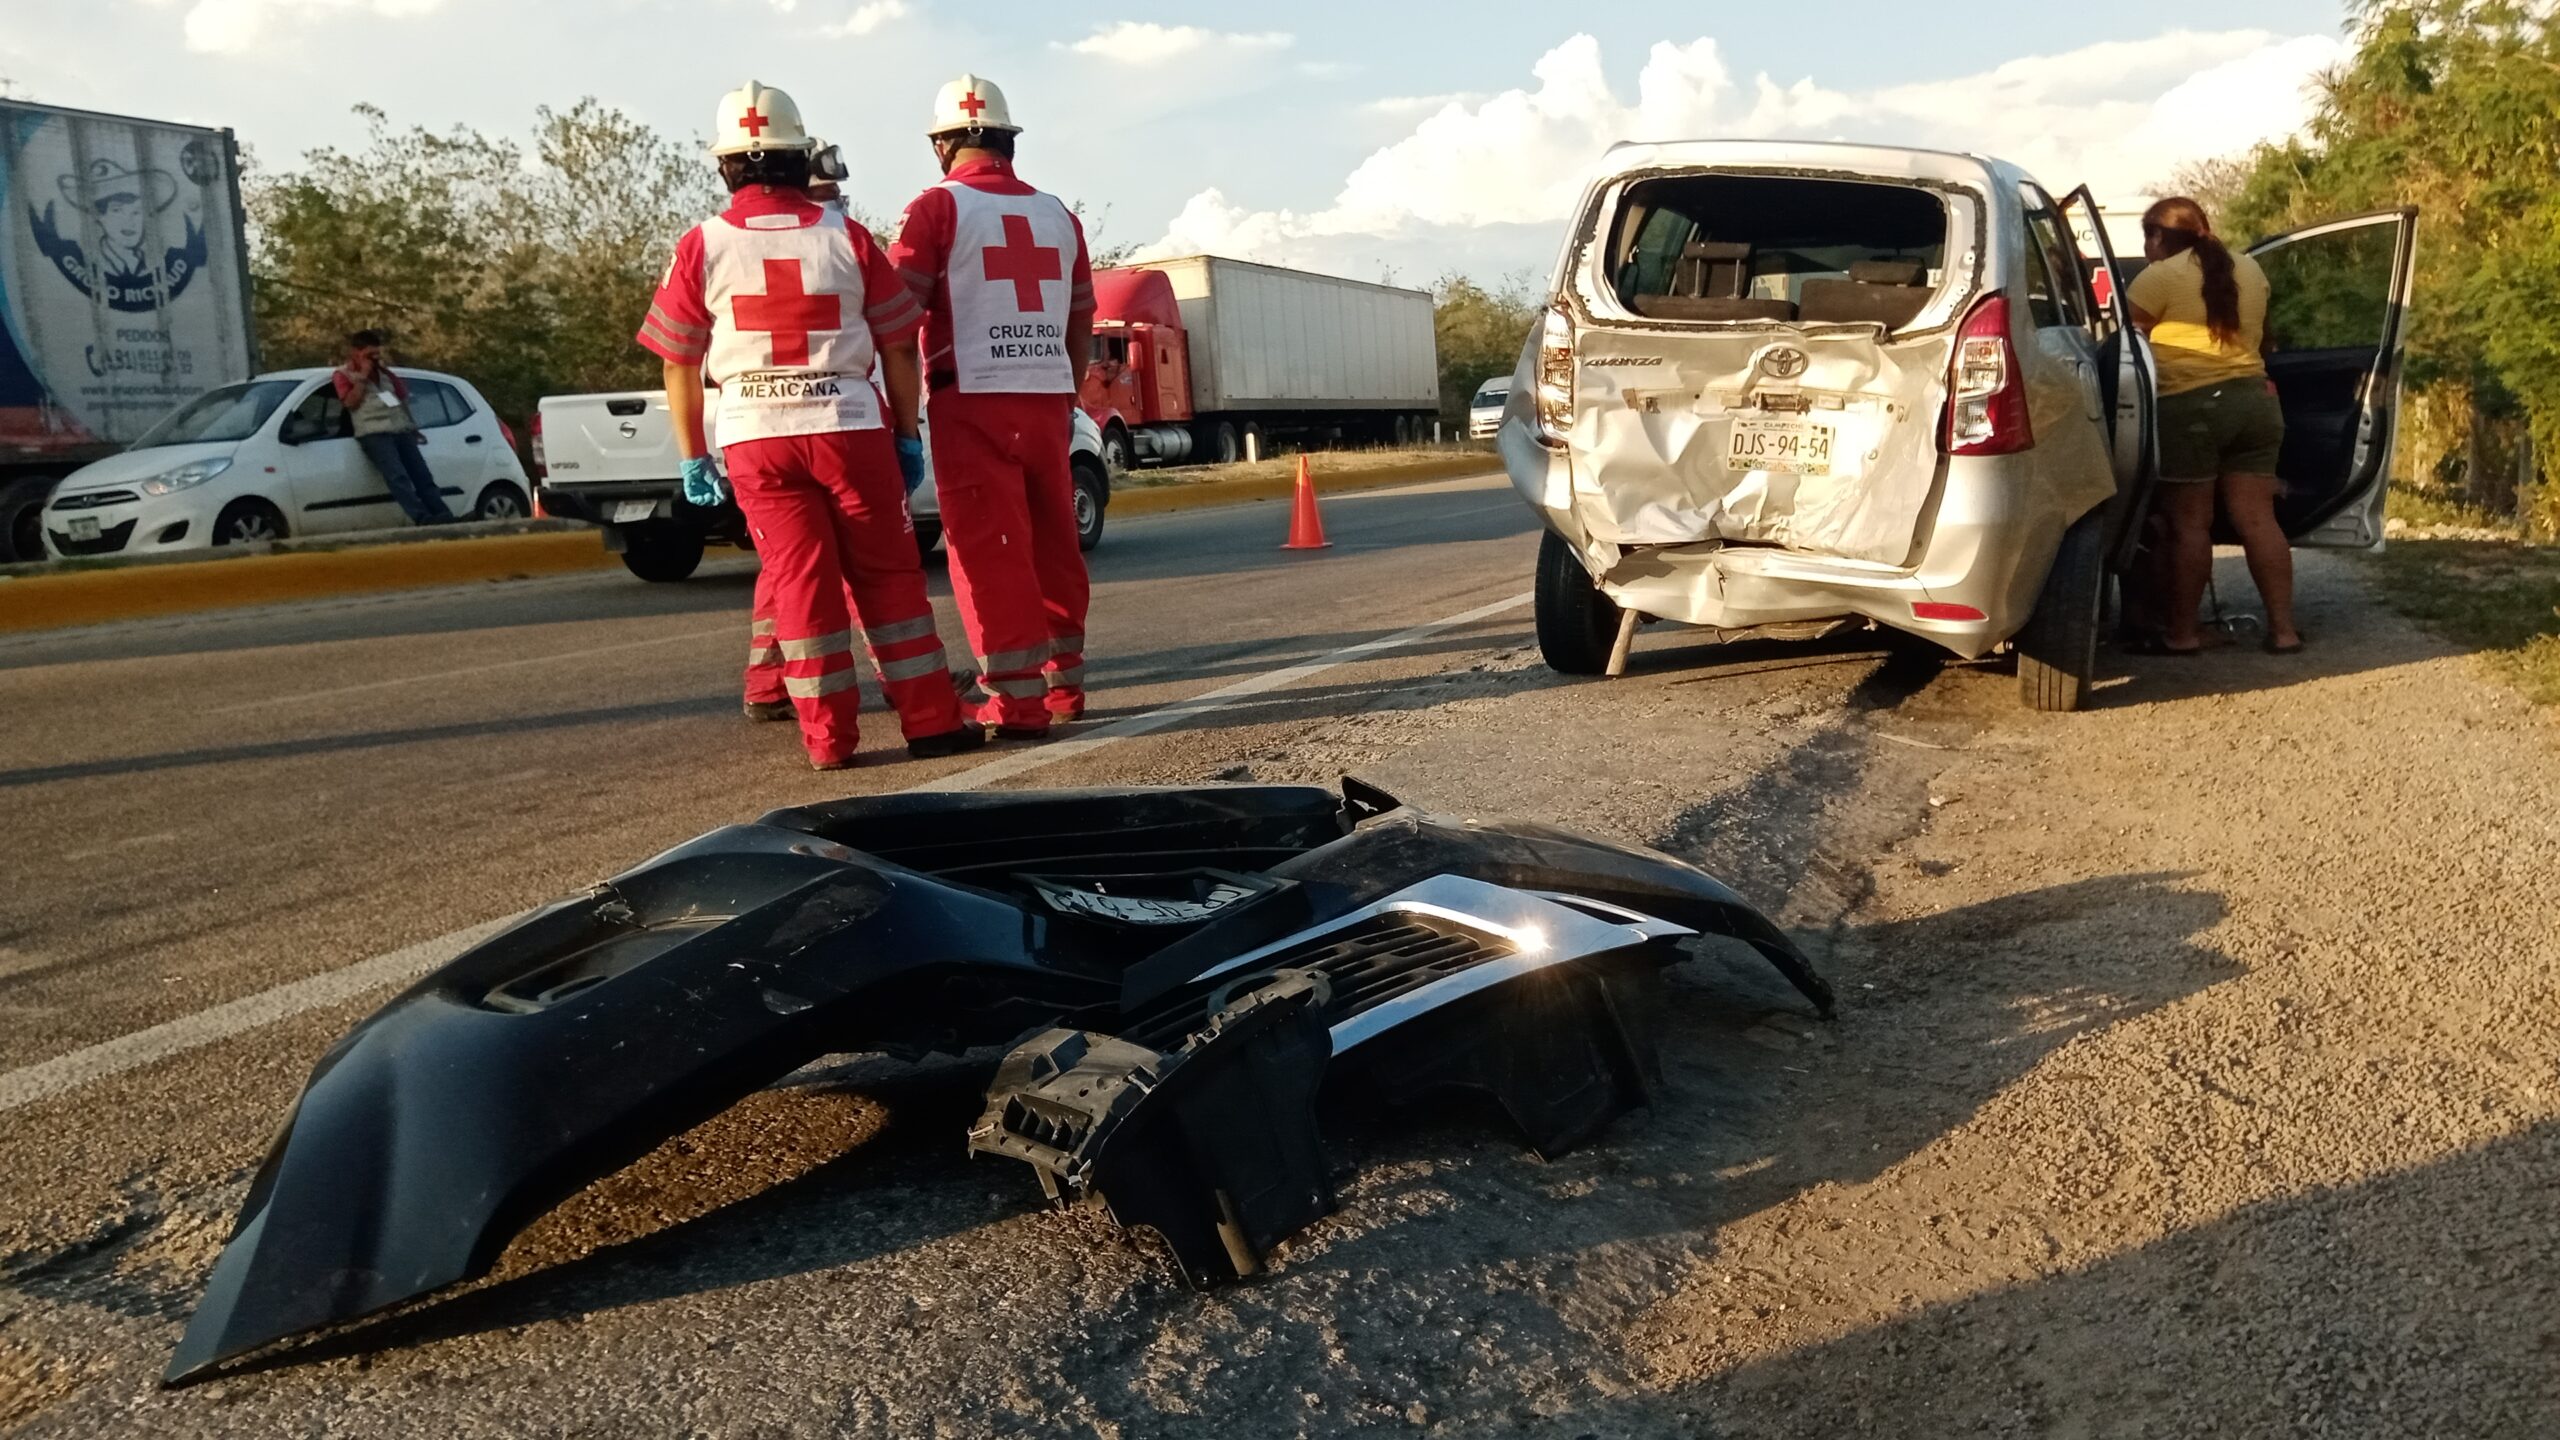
[(1306, 527)]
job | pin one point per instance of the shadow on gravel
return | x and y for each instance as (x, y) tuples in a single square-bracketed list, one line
[(2348, 629), (2417, 1303)]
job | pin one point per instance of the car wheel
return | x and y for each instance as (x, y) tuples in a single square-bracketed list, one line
[(1093, 496), (1116, 456), (661, 553), (1577, 624), (501, 501), (928, 535), (2058, 649), (248, 521)]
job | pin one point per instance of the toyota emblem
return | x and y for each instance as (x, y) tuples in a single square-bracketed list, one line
[(1784, 362)]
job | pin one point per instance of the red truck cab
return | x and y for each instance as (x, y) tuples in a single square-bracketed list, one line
[(1140, 373)]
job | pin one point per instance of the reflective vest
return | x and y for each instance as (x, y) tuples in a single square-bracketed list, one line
[(1008, 278), (790, 347)]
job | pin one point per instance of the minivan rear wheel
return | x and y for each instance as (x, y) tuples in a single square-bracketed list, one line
[(1577, 624), (2058, 649)]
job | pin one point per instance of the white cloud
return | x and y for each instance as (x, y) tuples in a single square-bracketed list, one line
[(1143, 42), (1402, 106), (867, 17), (2117, 115), (233, 27)]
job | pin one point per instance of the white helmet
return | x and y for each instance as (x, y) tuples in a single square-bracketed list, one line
[(757, 117), (970, 103), (826, 162)]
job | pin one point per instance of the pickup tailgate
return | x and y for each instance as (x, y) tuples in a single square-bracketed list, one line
[(607, 439)]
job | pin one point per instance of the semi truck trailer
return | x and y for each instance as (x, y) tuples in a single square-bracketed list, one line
[(124, 291), (1193, 358)]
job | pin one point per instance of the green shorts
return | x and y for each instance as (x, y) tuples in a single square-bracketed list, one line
[(2234, 428)]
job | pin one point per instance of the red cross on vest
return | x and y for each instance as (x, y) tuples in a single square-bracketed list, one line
[(788, 312), (1024, 261), (753, 123), (973, 104)]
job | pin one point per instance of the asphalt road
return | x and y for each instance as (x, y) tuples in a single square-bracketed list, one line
[(228, 837)]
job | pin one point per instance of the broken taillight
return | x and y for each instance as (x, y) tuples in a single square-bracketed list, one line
[(541, 470), (1987, 405), (1555, 376)]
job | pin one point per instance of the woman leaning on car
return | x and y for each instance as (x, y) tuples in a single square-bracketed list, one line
[(2205, 310)]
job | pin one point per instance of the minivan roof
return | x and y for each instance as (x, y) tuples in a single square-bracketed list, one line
[(1883, 161)]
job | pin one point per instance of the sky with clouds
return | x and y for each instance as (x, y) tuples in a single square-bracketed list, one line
[(1359, 138)]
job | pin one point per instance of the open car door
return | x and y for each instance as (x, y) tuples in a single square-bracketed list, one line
[(2338, 300), (2124, 375)]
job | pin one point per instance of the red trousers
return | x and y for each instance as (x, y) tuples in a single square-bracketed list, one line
[(829, 515), (1009, 516)]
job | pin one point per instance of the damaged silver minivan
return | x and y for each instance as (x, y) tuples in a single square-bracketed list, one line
[(1781, 383)]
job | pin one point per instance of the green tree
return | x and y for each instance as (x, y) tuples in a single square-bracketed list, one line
[(2452, 106), (525, 272), (1480, 332)]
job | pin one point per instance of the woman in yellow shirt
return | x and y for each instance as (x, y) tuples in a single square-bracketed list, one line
[(2205, 310)]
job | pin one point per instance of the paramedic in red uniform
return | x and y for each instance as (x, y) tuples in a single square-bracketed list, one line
[(785, 308), (1002, 272)]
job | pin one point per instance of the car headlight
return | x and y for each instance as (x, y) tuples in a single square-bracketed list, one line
[(185, 477)]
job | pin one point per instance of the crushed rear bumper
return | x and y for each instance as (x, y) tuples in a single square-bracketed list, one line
[(1186, 976)]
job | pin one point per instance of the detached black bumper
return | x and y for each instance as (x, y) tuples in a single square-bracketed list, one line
[(1191, 979)]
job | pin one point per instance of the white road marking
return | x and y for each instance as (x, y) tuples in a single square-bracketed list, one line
[(175, 1037), (1058, 751), (48, 1078), (583, 653)]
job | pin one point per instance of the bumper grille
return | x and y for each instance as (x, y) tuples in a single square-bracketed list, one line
[(93, 499), (1367, 965)]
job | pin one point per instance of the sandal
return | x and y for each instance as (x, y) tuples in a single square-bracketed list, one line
[(2272, 648)]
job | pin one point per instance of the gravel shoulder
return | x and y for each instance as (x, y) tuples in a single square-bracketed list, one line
[(2195, 1074)]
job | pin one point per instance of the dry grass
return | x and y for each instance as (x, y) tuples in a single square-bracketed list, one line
[(2483, 587)]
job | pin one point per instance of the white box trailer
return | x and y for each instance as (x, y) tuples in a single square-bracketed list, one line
[(124, 290), (1260, 351), (1264, 338)]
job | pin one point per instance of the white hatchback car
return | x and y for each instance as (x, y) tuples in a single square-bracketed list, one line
[(273, 457), (1484, 413)]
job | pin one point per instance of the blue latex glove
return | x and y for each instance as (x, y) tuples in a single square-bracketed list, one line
[(703, 486), (911, 461)]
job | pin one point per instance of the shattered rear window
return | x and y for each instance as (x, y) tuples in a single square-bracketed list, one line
[(1727, 247)]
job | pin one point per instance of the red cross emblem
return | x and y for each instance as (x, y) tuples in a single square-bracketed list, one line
[(1024, 261), (973, 104), (787, 312)]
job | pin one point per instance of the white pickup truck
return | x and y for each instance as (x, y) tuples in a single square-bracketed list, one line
[(611, 459)]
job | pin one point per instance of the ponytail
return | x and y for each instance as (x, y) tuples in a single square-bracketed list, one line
[(2181, 225)]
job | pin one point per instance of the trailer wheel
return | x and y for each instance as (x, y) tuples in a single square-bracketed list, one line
[(22, 518), (1577, 624), (1222, 444)]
